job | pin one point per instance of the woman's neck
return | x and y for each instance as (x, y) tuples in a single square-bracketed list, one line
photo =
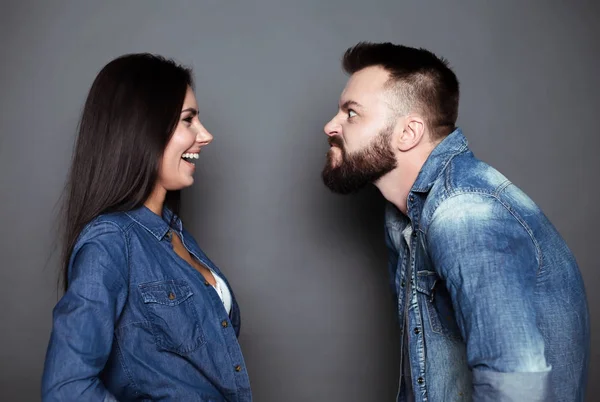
[(156, 201)]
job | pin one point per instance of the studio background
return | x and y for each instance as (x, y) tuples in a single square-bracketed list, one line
[(308, 267)]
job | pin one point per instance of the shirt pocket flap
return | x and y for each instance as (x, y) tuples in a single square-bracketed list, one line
[(426, 282), (169, 293), (438, 304)]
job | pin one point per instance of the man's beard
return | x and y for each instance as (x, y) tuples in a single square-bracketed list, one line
[(357, 170)]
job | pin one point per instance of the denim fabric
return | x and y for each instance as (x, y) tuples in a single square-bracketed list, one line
[(492, 296), (139, 323)]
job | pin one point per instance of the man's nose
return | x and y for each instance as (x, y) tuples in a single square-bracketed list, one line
[(332, 127)]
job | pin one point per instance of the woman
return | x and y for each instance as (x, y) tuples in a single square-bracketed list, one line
[(145, 315)]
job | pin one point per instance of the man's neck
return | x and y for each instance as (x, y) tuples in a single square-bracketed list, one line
[(396, 185)]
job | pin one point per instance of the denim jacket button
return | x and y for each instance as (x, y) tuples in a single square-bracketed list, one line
[(420, 380), (238, 368), (224, 324), (171, 296), (206, 283), (417, 331)]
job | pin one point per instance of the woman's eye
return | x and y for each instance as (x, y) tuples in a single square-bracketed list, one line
[(188, 119), (351, 113)]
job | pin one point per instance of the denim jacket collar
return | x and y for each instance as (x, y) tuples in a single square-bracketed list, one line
[(437, 161), (158, 226)]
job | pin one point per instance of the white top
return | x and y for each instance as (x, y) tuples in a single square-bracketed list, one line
[(407, 232), (223, 291)]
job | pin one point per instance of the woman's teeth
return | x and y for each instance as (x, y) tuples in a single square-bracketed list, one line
[(190, 156)]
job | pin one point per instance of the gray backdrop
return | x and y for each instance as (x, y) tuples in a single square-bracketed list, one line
[(308, 267)]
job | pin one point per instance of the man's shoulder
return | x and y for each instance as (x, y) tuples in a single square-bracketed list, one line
[(466, 182), (466, 173)]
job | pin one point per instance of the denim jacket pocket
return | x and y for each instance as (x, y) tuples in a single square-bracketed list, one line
[(434, 294), (172, 314)]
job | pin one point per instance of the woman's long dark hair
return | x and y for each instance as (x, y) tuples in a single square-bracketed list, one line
[(129, 116)]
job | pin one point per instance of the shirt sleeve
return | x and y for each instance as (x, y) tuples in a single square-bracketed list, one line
[(490, 264), (84, 318)]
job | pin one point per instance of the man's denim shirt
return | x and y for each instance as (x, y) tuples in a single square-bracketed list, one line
[(138, 323), (493, 299)]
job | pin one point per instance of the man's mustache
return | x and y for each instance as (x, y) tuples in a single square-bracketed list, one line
[(336, 140)]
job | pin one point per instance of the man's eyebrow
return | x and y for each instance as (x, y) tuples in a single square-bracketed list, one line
[(190, 109), (350, 103)]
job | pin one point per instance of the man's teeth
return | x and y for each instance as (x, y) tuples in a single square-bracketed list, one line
[(191, 156)]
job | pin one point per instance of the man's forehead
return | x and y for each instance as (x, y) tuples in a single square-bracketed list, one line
[(366, 85)]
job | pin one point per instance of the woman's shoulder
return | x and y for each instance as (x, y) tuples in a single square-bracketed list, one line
[(111, 227), (120, 220)]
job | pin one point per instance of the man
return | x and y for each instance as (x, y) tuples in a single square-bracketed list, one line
[(490, 300)]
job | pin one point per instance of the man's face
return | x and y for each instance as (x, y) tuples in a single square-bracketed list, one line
[(360, 134)]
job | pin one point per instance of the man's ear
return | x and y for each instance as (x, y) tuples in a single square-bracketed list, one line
[(409, 132)]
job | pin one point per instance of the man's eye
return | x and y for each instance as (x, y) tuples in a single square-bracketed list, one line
[(351, 113)]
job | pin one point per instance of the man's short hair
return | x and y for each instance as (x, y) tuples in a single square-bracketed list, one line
[(419, 81)]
